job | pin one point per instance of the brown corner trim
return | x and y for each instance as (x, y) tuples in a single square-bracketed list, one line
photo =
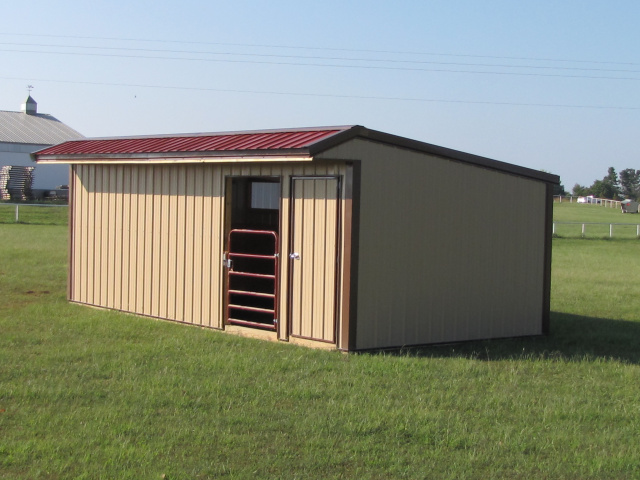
[(548, 245), (355, 255)]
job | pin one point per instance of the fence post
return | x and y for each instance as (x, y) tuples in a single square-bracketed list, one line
[(583, 229), (17, 214), (553, 230), (611, 230)]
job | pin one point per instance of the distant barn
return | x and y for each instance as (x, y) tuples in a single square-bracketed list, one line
[(337, 237), (22, 133)]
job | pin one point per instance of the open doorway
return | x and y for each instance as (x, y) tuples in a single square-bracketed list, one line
[(251, 256)]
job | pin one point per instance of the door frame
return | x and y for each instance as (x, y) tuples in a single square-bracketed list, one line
[(228, 213), (337, 260)]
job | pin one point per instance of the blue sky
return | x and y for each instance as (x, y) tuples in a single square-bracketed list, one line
[(544, 84)]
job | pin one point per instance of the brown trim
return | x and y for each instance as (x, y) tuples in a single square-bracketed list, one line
[(227, 194), (72, 237), (282, 332), (338, 260), (354, 254), (345, 281), (287, 258), (548, 245), (319, 340), (234, 156), (416, 145), (154, 317), (337, 279), (396, 347)]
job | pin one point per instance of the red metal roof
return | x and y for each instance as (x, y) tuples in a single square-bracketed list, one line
[(215, 142), (307, 142)]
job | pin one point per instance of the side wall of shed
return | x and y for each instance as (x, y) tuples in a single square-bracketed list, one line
[(447, 251), (149, 239)]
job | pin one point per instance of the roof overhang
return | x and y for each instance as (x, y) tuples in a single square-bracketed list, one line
[(164, 159), (298, 145), (443, 152)]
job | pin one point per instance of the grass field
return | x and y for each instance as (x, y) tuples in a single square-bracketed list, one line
[(587, 213), (44, 214), (86, 393)]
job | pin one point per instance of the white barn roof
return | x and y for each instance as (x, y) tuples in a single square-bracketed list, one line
[(37, 129)]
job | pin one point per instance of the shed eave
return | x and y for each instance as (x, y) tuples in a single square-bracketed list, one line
[(358, 131), (157, 159)]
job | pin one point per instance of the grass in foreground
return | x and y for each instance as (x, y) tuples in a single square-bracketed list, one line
[(86, 393)]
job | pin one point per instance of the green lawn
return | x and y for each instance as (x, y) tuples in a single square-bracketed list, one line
[(43, 214), (588, 213), (86, 393), (581, 212)]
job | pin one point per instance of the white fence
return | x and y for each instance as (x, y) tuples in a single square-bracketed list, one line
[(604, 202), (583, 225), (18, 205)]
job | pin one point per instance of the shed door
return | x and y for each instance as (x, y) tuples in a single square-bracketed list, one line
[(313, 258)]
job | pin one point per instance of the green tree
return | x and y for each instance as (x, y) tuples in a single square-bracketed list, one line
[(608, 187), (580, 190), (559, 190), (630, 183), (612, 177)]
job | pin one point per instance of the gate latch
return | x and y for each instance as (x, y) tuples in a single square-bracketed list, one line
[(294, 256), (227, 262)]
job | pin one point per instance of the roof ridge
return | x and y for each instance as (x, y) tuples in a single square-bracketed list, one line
[(292, 140), (222, 133), (22, 113), (37, 129)]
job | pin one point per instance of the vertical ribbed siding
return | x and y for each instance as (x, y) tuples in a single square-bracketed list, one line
[(438, 269), (313, 285), (148, 239), (436, 266)]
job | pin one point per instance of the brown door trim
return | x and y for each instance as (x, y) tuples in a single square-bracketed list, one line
[(338, 255)]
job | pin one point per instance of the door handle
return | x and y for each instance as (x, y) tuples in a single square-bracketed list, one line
[(294, 256)]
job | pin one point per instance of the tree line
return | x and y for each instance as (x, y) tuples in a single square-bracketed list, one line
[(613, 186)]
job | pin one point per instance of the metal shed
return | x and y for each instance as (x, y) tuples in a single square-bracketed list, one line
[(629, 206), (335, 237)]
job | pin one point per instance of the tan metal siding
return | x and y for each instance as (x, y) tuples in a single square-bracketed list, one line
[(118, 235), (148, 239), (189, 246), (77, 210), (447, 251), (207, 240), (126, 239), (313, 285), (163, 215)]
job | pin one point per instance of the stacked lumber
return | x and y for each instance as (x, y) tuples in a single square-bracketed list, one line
[(15, 182)]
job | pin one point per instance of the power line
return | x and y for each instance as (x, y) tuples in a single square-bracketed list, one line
[(310, 57), (328, 65), (325, 95), (297, 47)]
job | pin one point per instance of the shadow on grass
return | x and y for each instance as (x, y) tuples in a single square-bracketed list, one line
[(572, 338)]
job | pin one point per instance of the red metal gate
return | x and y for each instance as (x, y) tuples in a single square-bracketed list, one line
[(252, 278)]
